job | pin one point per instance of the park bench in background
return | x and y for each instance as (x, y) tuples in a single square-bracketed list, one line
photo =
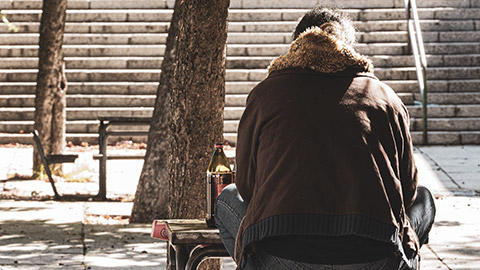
[(47, 160), (189, 242), (104, 132)]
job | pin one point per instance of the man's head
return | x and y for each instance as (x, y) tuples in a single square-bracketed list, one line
[(331, 20)]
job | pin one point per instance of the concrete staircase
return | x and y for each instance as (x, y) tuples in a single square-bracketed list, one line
[(113, 53)]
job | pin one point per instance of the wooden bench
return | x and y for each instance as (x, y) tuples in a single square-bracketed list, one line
[(189, 242)]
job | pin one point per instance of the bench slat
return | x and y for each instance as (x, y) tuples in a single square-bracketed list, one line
[(189, 232), (59, 158), (110, 157)]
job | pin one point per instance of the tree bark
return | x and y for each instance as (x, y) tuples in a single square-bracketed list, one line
[(197, 102), (50, 95), (188, 116), (151, 197)]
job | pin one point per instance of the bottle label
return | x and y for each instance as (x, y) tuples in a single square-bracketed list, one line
[(215, 183), (220, 181)]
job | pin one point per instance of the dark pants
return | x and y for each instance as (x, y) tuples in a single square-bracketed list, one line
[(422, 214), (230, 209)]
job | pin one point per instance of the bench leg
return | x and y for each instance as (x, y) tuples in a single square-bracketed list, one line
[(171, 261), (203, 252), (181, 256), (46, 166), (102, 175), (177, 256)]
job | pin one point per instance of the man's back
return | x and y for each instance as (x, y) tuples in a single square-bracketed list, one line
[(324, 159)]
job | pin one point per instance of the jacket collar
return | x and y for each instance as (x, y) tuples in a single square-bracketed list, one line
[(319, 51)]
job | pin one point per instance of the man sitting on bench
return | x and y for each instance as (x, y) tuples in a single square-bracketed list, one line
[(326, 177)]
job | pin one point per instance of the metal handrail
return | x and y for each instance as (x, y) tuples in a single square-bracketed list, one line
[(418, 49)]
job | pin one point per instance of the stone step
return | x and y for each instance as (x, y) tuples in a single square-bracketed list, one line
[(121, 75), (438, 13), (240, 15), (231, 126), (438, 111), (255, 4), (234, 38), (409, 73), (87, 50), (428, 37), (231, 113), (425, 25), (25, 138), (110, 100), (254, 26), (434, 111), (416, 124), (98, 27), (78, 113), (435, 99), (107, 100), (447, 137), (98, 75), (87, 38), (95, 15), (350, 4), (151, 75), (72, 126), (115, 101), (434, 137), (113, 88), (91, 4), (452, 98), (233, 62), (75, 138), (454, 86), (446, 110), (84, 101), (454, 60), (447, 124), (236, 100), (235, 49), (232, 87)]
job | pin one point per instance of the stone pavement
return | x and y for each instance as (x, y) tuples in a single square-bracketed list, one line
[(76, 235)]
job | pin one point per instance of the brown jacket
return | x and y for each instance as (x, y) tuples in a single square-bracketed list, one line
[(324, 149)]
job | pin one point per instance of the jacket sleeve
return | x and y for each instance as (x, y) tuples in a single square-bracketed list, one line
[(408, 169), (247, 143)]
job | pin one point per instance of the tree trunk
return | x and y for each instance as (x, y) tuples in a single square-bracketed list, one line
[(50, 95), (151, 197), (188, 117), (192, 80), (197, 102)]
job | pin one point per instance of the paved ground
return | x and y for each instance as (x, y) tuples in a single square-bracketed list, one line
[(74, 235)]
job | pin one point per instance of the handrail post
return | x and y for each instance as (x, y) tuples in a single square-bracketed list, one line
[(417, 47)]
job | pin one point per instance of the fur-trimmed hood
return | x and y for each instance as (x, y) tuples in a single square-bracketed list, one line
[(318, 50)]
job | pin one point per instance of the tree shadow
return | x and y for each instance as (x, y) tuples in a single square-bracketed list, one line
[(40, 243), (20, 209), (36, 243), (464, 250), (447, 223)]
